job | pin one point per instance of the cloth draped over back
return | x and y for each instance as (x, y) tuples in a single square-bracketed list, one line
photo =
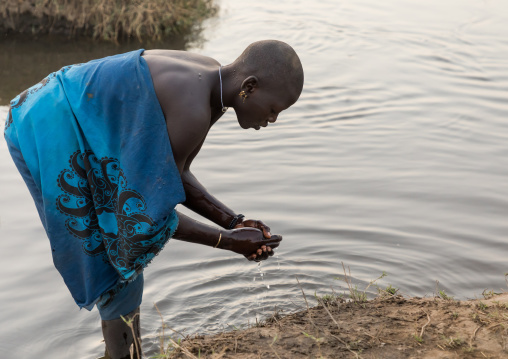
[(94, 139)]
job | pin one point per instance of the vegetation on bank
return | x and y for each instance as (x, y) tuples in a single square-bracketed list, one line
[(389, 326), (111, 20), (349, 325)]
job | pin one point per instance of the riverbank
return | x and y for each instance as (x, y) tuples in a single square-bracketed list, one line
[(389, 326), (109, 20)]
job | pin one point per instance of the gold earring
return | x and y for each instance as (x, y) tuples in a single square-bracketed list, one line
[(243, 95)]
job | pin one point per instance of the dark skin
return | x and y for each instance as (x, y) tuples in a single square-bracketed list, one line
[(188, 88)]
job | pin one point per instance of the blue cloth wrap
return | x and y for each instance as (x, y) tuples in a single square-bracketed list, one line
[(122, 299), (95, 142)]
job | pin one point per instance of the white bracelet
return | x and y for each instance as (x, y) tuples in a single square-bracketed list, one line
[(220, 236)]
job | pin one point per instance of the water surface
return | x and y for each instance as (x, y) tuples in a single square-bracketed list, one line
[(394, 159)]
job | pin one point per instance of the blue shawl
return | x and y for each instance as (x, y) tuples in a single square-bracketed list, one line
[(94, 139)]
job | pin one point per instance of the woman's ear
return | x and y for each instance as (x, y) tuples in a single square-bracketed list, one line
[(250, 84)]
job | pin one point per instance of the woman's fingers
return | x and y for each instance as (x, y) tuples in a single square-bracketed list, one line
[(266, 230), (266, 249), (256, 224), (273, 241)]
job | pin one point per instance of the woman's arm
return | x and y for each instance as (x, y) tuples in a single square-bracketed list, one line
[(249, 242)]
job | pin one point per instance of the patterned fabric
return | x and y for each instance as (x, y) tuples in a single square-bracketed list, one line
[(8, 121), (122, 299), (94, 139)]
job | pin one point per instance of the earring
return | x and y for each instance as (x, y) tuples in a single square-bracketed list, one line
[(243, 95)]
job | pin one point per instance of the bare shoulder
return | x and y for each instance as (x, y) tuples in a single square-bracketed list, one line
[(181, 55), (180, 79), (182, 84)]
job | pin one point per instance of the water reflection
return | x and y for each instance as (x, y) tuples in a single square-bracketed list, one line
[(394, 159), (25, 60)]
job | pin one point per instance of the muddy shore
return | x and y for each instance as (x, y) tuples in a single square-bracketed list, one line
[(385, 327)]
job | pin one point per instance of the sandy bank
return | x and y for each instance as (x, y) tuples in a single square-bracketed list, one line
[(385, 327)]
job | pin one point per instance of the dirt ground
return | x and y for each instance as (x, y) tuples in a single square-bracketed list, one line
[(386, 327)]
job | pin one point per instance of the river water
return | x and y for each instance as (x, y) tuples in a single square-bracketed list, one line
[(394, 159)]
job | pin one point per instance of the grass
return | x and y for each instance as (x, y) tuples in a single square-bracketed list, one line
[(418, 338), (442, 294), (271, 346), (329, 298), (353, 335), (488, 294), (482, 306), (453, 343), (111, 20), (356, 295), (389, 291)]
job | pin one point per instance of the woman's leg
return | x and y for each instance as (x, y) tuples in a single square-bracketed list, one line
[(119, 334), (120, 337)]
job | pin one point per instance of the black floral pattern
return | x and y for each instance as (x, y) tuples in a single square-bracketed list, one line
[(105, 214), (22, 97), (8, 121)]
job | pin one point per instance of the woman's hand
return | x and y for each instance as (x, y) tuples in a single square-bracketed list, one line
[(250, 242), (254, 223)]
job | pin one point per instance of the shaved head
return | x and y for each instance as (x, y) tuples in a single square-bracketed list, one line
[(274, 63)]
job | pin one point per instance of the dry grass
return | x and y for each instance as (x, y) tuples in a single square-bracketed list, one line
[(388, 326), (385, 327), (104, 19)]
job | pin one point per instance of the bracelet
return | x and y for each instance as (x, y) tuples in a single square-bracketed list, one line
[(220, 236), (237, 219)]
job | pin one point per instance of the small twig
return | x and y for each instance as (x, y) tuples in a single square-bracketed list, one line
[(381, 340), (348, 282), (274, 316), (219, 355), (307, 303), (398, 319), (163, 335), (277, 355), (304, 296), (347, 346), (271, 346), (333, 291), (423, 328), (474, 335), (330, 314)]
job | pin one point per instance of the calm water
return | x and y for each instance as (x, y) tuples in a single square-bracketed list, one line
[(394, 159)]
